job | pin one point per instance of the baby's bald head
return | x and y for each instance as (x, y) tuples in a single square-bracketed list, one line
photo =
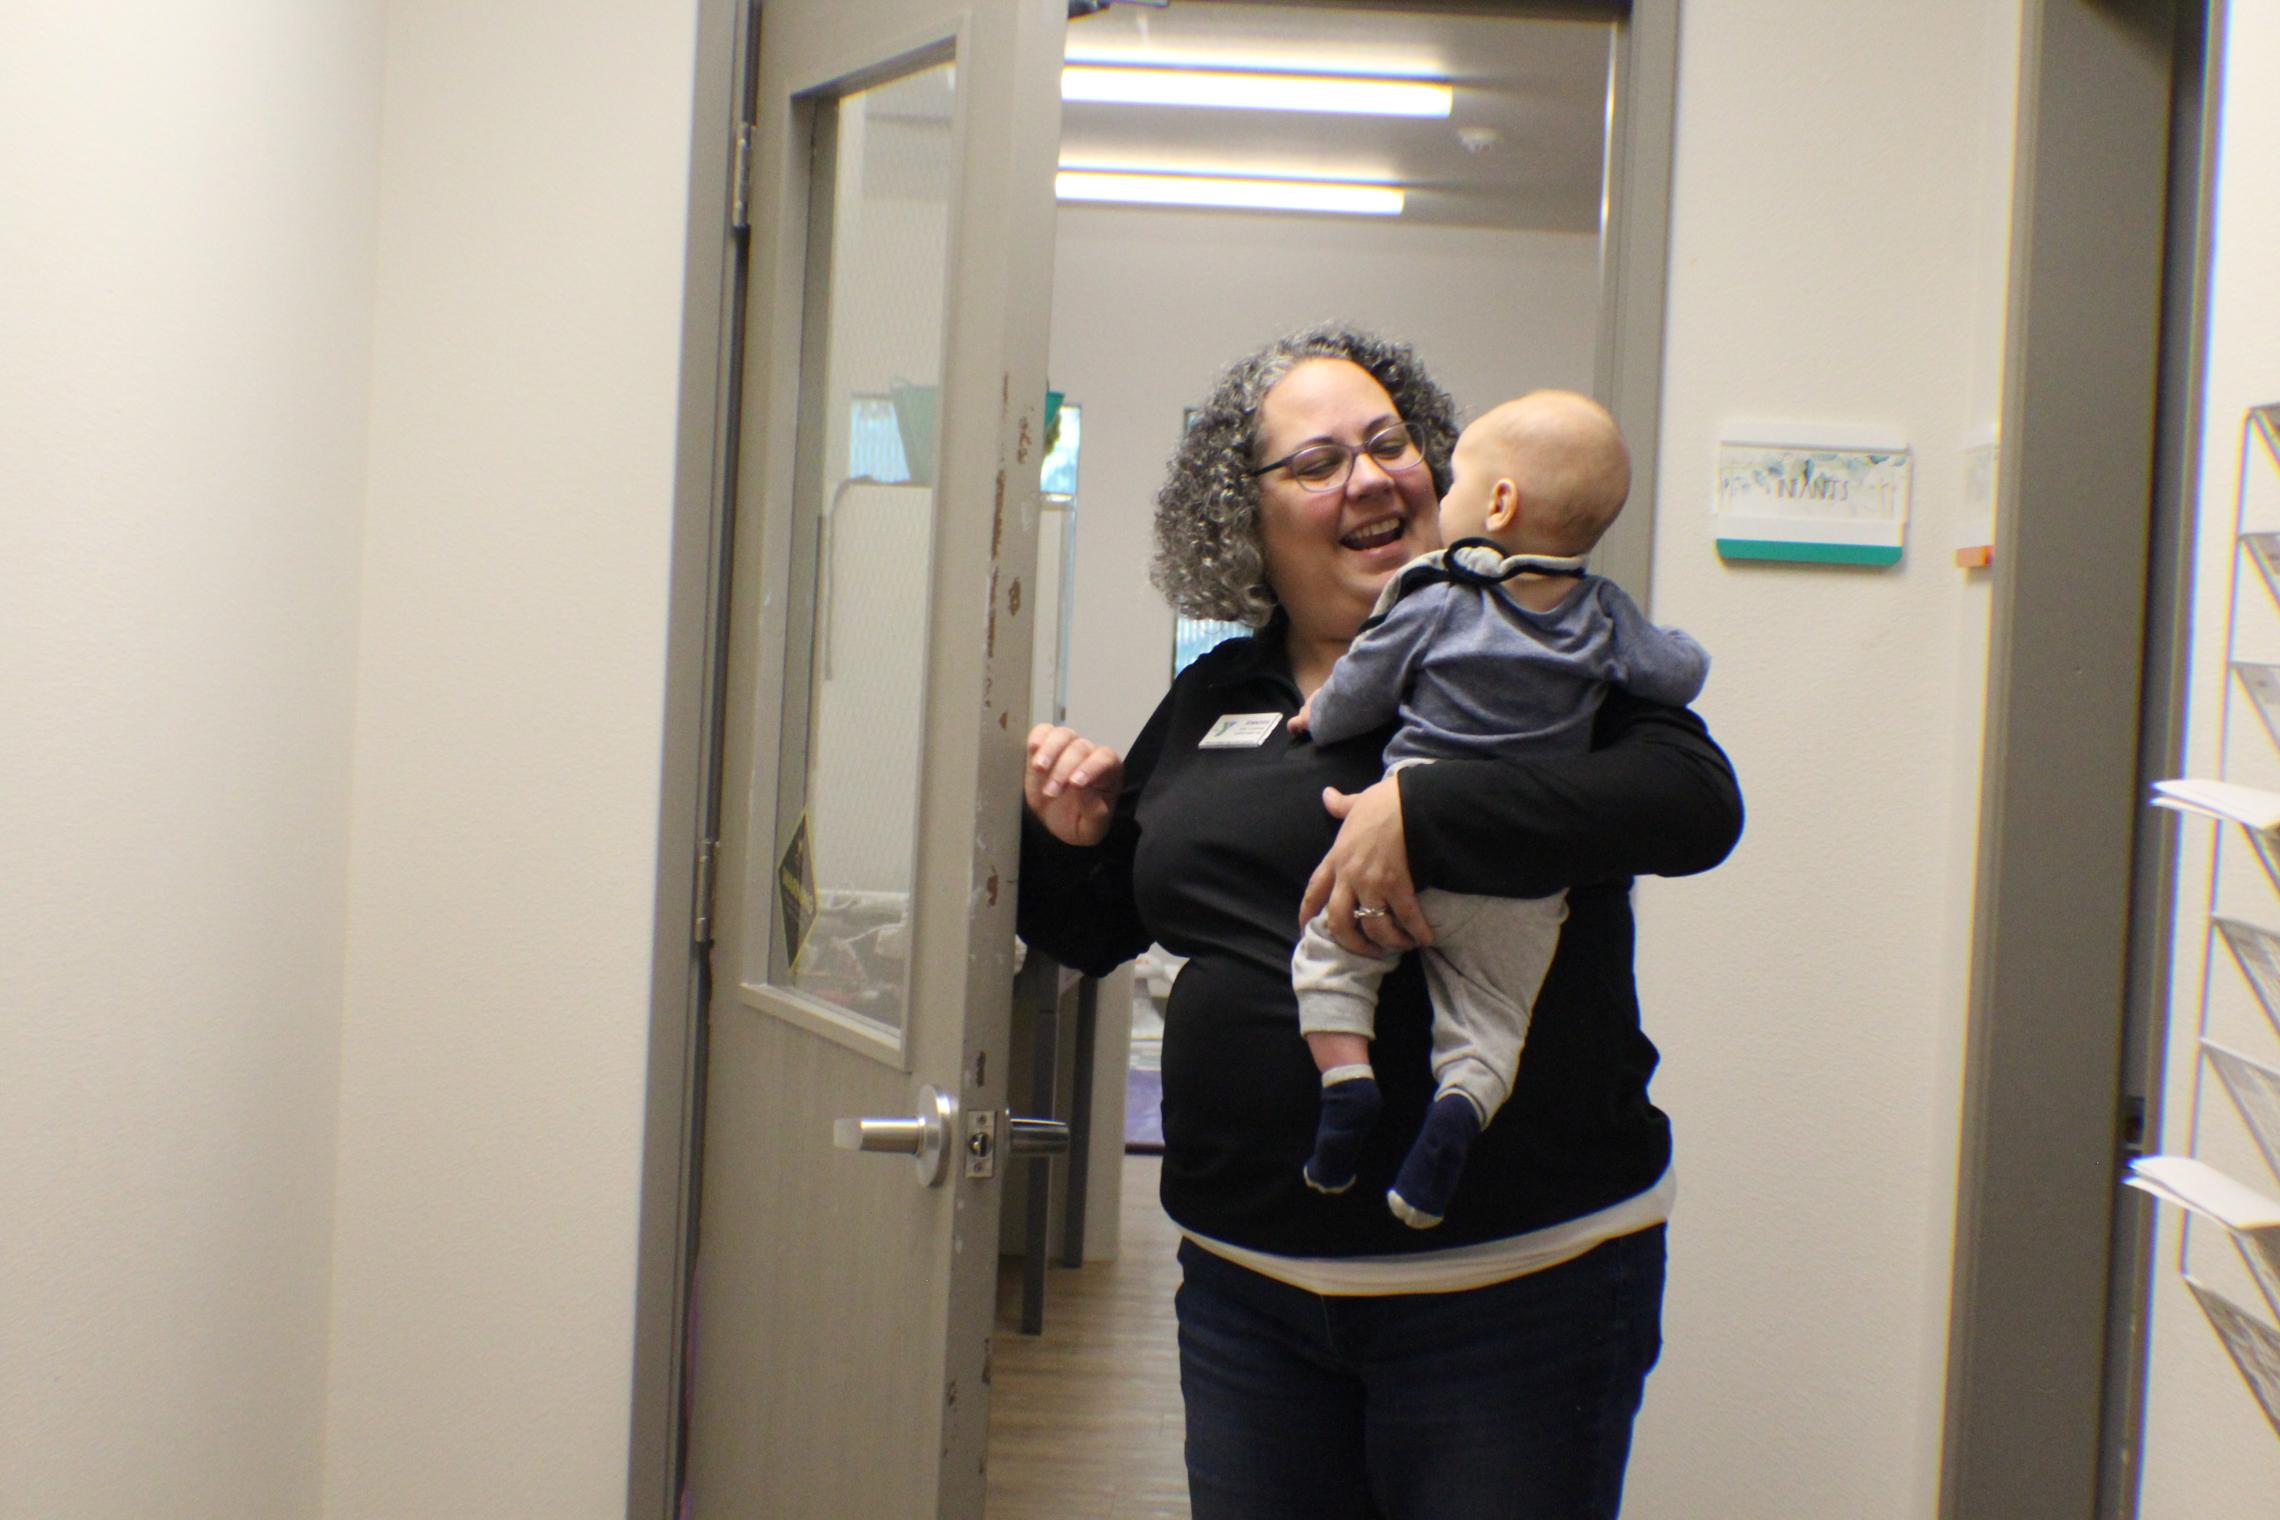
[(1566, 456)]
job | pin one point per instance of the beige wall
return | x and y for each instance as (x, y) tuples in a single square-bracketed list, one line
[(532, 196), (2209, 1450), (185, 312)]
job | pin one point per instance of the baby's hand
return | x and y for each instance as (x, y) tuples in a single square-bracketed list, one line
[(1299, 719)]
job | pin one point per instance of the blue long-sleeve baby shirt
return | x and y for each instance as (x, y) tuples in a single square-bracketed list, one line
[(1472, 674)]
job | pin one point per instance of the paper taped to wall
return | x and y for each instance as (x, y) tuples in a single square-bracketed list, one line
[(1820, 495)]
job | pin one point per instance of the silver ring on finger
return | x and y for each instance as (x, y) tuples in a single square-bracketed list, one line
[(1369, 912)]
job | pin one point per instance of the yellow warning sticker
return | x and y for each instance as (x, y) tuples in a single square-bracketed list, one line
[(795, 894)]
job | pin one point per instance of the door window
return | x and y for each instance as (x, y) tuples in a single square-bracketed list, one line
[(881, 182)]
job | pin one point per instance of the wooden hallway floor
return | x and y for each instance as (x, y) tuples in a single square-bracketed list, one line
[(1085, 1419)]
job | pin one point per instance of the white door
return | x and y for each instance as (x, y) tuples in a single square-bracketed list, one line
[(882, 599)]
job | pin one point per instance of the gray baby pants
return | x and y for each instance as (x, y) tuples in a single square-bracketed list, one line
[(1484, 968)]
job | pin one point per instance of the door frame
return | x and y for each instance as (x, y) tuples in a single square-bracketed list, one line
[(2068, 972), (2179, 410), (1634, 257), (715, 273)]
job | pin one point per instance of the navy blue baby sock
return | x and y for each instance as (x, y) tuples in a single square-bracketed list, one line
[(1428, 1177), (1349, 1109)]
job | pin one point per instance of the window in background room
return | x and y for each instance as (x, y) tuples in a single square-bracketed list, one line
[(875, 446), (1192, 637), (1056, 559), (1060, 473), (874, 442)]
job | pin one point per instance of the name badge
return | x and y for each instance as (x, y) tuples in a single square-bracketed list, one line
[(1240, 731)]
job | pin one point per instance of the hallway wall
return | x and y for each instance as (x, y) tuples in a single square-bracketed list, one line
[(185, 328)]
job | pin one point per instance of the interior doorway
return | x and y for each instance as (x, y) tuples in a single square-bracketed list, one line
[(1606, 273)]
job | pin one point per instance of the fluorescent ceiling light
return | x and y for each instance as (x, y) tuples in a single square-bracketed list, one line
[(1231, 193), (1239, 89)]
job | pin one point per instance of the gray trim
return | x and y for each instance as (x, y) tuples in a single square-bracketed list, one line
[(702, 481), (2060, 787), (1634, 270), (2169, 604)]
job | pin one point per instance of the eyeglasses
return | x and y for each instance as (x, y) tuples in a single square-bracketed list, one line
[(1325, 466)]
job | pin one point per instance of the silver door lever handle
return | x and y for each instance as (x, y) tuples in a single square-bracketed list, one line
[(905, 1137), (925, 1137)]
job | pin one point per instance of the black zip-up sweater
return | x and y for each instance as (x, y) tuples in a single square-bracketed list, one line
[(1209, 853)]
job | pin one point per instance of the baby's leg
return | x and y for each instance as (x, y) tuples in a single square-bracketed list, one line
[(1484, 971), (1334, 1048), (1337, 1012)]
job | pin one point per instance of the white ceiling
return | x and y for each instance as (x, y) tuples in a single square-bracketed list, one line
[(1536, 88)]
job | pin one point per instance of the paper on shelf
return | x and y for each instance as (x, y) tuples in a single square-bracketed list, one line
[(2258, 812), (2255, 1089), (2194, 1184), (2252, 1219), (2251, 807), (2253, 1345), (2255, 810)]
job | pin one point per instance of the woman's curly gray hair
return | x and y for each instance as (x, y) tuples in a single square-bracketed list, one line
[(1208, 560)]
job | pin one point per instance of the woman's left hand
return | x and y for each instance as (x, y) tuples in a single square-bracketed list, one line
[(1367, 867)]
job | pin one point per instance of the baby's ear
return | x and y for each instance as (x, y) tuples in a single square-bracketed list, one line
[(1503, 506)]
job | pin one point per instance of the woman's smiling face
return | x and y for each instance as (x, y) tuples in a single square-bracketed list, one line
[(1328, 553)]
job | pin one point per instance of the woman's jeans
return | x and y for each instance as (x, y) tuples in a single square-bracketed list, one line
[(1510, 1402)]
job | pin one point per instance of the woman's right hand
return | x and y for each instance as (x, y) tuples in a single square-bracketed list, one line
[(1071, 784)]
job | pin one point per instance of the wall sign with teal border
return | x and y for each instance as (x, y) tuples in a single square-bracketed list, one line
[(1821, 495)]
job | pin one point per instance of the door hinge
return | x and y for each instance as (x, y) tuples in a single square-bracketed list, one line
[(708, 859), (740, 201)]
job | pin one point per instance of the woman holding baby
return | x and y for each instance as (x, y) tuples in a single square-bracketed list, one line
[(1335, 1361)]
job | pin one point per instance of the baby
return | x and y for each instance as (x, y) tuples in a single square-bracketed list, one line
[(1501, 646)]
